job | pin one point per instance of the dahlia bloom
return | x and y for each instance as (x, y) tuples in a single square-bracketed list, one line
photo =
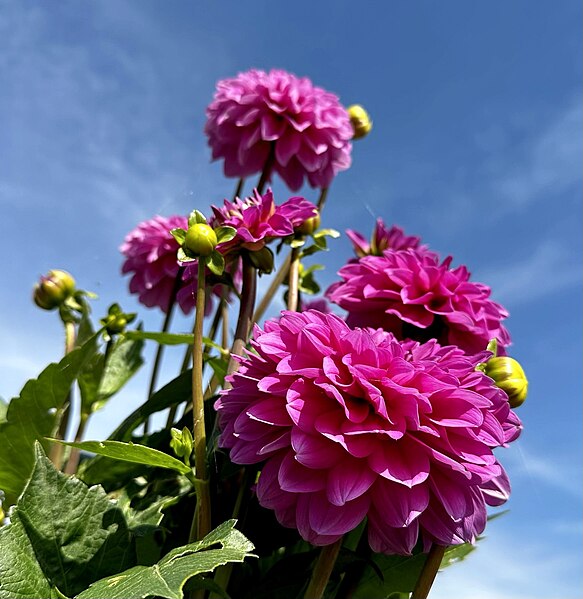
[(383, 239), (308, 127), (353, 423), (258, 220), (411, 294)]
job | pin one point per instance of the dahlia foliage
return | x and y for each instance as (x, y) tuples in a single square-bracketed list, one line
[(316, 446)]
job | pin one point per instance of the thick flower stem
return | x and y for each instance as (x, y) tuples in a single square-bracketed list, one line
[(244, 320), (294, 276), (322, 199), (266, 173), (202, 516), (160, 350), (429, 572), (323, 570)]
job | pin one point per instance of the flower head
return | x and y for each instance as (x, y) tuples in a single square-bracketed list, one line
[(150, 252), (307, 127), (53, 289), (258, 220), (413, 295), (383, 239), (353, 423)]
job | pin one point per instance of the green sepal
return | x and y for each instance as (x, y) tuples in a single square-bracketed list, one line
[(196, 218), (178, 234), (326, 233), (182, 256), (216, 263), (225, 233), (182, 443)]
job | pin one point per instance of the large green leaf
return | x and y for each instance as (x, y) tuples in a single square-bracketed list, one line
[(131, 452), (175, 392), (162, 338), (62, 535), (168, 576), (3, 410), (32, 416)]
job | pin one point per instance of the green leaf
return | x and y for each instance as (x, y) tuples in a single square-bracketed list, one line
[(63, 535), (3, 410), (219, 366), (130, 452), (162, 338), (168, 576), (178, 234), (196, 218), (183, 257), (175, 392), (216, 263), (297, 243), (326, 233), (225, 233), (33, 416)]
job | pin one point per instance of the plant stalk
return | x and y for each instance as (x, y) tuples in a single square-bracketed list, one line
[(201, 524), (323, 570), (266, 173), (429, 572), (294, 277)]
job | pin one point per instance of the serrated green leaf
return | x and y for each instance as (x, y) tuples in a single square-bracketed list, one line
[(216, 263), (225, 233), (179, 235), (130, 452), (62, 534), (32, 416), (196, 218), (162, 338), (167, 577)]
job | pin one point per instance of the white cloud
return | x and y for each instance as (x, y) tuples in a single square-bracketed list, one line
[(551, 267)]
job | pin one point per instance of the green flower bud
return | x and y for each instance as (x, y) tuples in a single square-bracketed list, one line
[(509, 376), (360, 120), (262, 260), (53, 289), (116, 320), (309, 226), (200, 240)]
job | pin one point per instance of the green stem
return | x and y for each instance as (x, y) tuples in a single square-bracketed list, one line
[(160, 350), (73, 461), (322, 199), (429, 572), (239, 188), (57, 450), (294, 277), (322, 570), (201, 524)]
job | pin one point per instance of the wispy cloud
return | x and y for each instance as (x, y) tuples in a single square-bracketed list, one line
[(550, 268)]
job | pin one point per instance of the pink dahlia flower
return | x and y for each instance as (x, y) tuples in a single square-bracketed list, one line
[(150, 253), (351, 424), (411, 294), (308, 127), (258, 220), (383, 239)]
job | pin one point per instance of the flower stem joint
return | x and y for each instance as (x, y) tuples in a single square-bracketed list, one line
[(53, 289), (508, 374)]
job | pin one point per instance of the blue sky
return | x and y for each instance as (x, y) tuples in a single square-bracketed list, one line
[(476, 147)]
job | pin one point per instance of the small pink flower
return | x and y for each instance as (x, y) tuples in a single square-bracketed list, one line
[(308, 127), (352, 424), (411, 294), (383, 239), (258, 220), (150, 252)]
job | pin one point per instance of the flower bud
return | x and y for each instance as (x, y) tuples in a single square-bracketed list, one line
[(309, 225), (262, 260), (360, 120), (200, 240), (509, 376), (53, 289)]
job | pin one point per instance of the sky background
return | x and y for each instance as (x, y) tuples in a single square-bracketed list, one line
[(476, 147)]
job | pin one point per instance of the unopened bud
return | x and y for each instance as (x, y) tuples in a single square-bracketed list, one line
[(262, 260), (509, 376), (360, 120), (53, 289), (309, 225), (200, 240)]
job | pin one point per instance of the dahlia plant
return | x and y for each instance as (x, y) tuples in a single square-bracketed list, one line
[(346, 447)]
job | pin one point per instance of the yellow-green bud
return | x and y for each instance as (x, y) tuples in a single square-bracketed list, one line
[(200, 240), (509, 376), (53, 289), (360, 120), (309, 226)]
